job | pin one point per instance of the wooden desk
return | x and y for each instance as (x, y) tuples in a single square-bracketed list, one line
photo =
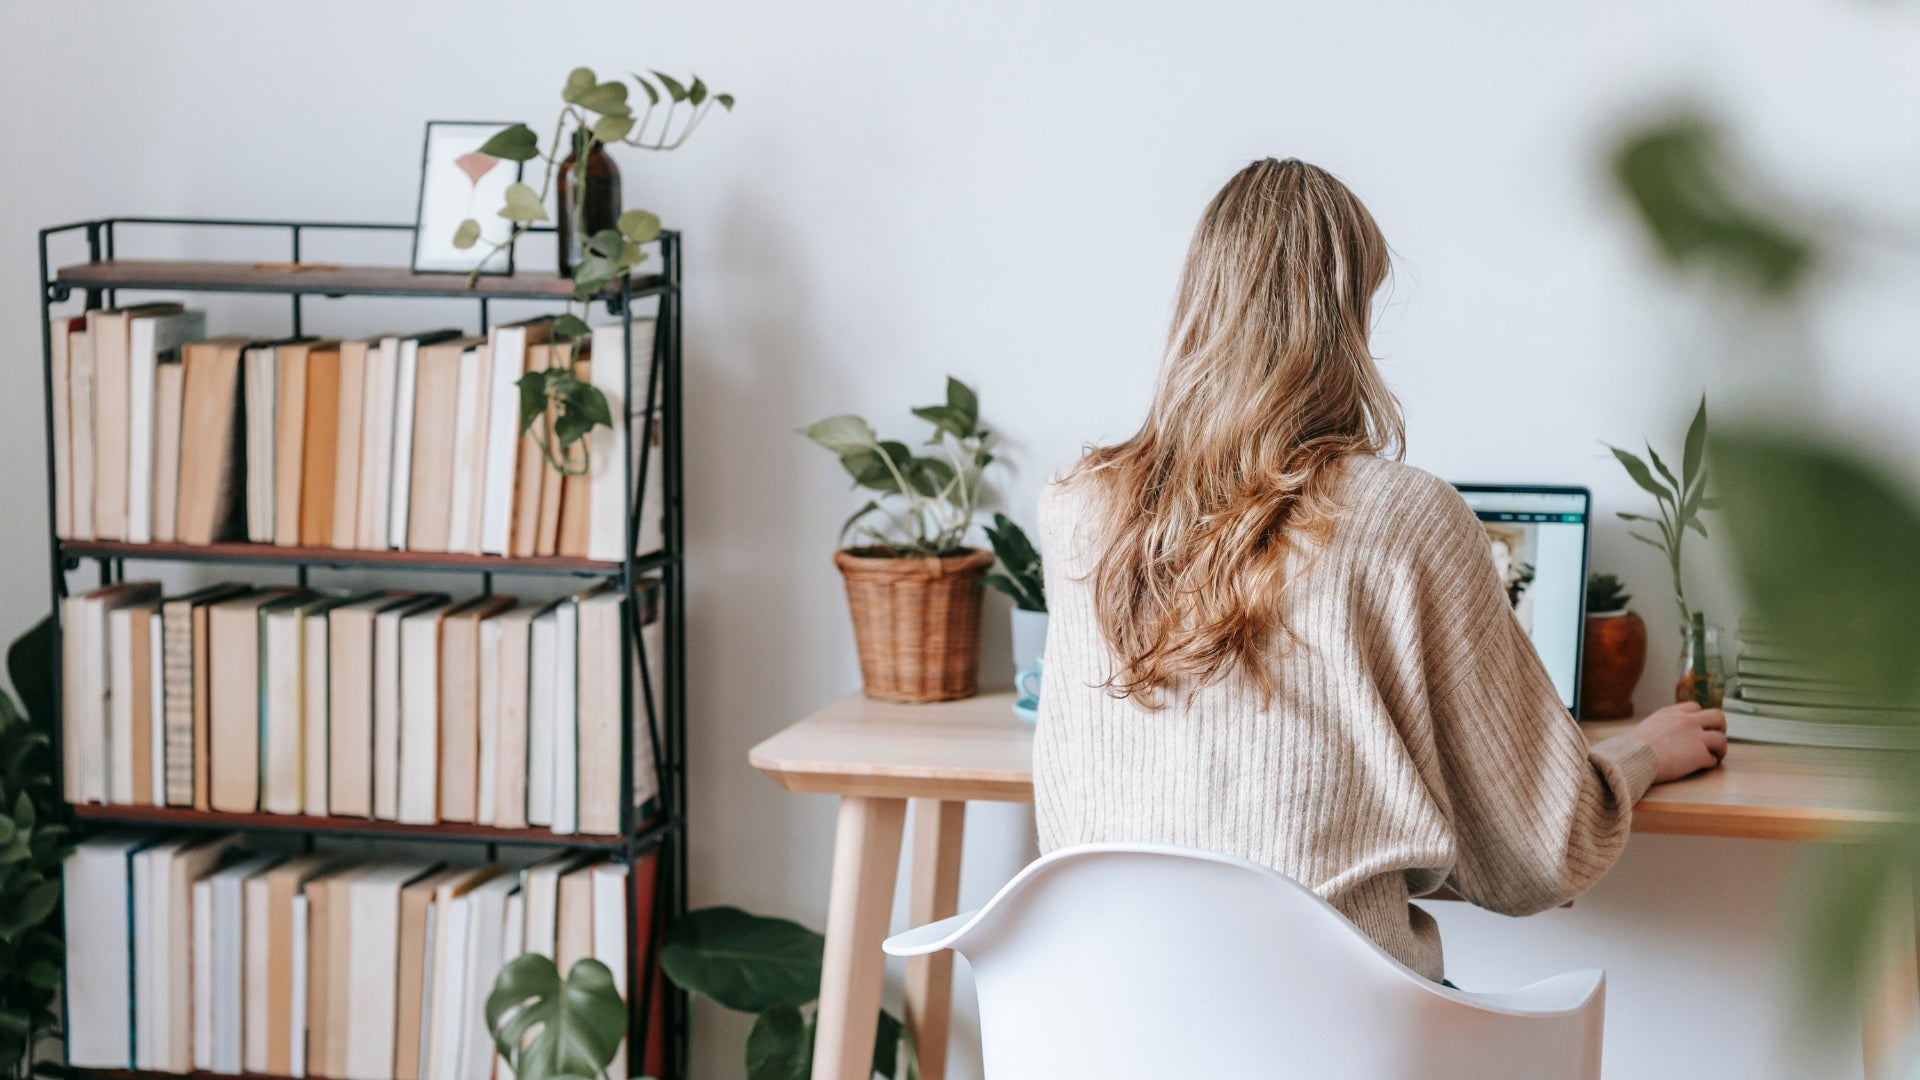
[(877, 756)]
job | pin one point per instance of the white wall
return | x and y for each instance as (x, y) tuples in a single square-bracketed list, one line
[(1003, 190)]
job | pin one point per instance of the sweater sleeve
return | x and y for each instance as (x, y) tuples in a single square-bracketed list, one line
[(1538, 815)]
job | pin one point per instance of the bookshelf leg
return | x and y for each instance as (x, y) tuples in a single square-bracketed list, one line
[(938, 829), (866, 858), (1889, 992)]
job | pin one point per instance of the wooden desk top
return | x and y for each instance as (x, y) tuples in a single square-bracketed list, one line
[(977, 749)]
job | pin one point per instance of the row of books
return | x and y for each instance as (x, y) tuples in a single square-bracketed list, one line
[(400, 442), (397, 706), (1780, 695), (196, 954)]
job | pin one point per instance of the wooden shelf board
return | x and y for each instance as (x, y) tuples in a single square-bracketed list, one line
[(348, 557), (181, 817), (323, 279)]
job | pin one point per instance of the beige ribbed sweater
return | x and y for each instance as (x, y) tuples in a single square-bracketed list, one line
[(1415, 739)]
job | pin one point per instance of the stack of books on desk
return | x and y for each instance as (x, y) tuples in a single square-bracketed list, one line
[(196, 954), (1781, 696)]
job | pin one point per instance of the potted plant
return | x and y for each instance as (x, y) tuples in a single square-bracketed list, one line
[(1615, 651), (33, 844), (913, 586), (1679, 501), (1020, 578)]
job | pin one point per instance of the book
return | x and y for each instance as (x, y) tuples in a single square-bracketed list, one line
[(447, 979), (573, 917), (506, 361), (546, 537), (154, 340), (472, 1055), (156, 707), (97, 881), (470, 457), (388, 701), (212, 499), (292, 378), (130, 701), (228, 950), (376, 442), (296, 1022), (273, 981), (259, 387), (566, 718), (80, 429), (419, 729), (540, 885), (542, 694), (509, 669), (416, 902), (319, 447), (423, 499), (531, 472), (514, 937), (601, 664), (183, 692), (348, 435), (182, 872), (316, 714), (350, 701), (201, 1016), (459, 696), (59, 330), (609, 882), (234, 703), (576, 493), (169, 388), (406, 393), (607, 524), (328, 916), (287, 708), (373, 972), (108, 331)]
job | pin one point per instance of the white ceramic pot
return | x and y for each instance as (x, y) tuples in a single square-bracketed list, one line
[(1029, 638)]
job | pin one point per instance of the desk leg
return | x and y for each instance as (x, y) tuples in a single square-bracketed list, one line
[(938, 828), (866, 857), (1889, 991)]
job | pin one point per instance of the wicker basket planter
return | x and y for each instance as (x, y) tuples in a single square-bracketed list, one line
[(916, 622)]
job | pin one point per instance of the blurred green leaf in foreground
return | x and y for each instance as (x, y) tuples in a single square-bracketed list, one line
[(1826, 539)]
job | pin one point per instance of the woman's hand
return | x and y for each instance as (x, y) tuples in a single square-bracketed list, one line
[(1687, 737)]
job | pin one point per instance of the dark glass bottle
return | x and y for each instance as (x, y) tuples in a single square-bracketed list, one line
[(599, 210)]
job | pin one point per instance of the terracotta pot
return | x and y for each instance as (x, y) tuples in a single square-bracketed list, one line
[(1615, 655), (916, 622)]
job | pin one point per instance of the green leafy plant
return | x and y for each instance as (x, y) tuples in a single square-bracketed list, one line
[(596, 112), (1606, 595), (1825, 539), (1678, 500), (548, 1027), (33, 844), (1019, 575), (927, 502)]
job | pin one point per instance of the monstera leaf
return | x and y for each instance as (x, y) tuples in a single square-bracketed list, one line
[(549, 1028)]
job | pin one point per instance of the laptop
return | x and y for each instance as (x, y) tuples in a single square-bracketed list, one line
[(1538, 537)]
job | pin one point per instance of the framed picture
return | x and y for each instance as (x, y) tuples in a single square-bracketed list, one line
[(458, 182)]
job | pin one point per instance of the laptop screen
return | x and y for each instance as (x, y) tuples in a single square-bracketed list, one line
[(1538, 538)]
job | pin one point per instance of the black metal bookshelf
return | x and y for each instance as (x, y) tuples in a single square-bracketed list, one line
[(100, 277)]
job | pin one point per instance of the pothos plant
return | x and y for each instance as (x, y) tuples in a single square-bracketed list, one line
[(33, 844), (597, 113), (547, 1027), (927, 500)]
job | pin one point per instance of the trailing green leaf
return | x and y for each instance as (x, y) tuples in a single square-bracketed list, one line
[(547, 1028), (516, 143)]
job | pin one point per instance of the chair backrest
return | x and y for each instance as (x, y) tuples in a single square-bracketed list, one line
[(1124, 962)]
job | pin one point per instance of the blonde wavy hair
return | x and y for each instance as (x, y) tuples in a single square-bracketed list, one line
[(1267, 383)]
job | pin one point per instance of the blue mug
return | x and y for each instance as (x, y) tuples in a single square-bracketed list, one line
[(1028, 683)]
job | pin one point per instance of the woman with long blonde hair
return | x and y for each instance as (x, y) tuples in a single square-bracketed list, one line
[(1272, 639)]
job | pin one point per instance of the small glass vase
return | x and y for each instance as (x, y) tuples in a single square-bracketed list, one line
[(1700, 660), (599, 209)]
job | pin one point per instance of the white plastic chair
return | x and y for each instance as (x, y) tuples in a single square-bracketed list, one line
[(1120, 962)]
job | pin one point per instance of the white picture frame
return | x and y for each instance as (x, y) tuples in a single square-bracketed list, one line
[(458, 182)]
